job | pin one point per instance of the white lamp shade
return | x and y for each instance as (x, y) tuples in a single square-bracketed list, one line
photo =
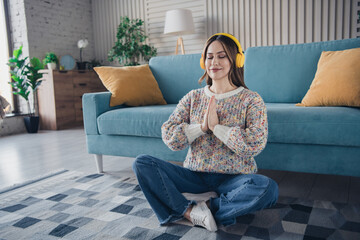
[(179, 22)]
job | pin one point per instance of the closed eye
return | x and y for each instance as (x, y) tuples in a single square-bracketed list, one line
[(221, 56)]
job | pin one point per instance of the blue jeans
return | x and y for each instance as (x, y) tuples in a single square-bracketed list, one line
[(163, 184)]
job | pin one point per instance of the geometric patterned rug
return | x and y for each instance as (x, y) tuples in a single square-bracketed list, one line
[(73, 205)]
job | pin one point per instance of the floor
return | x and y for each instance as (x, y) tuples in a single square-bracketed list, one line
[(27, 156)]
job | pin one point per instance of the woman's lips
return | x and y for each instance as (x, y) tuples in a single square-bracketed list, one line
[(215, 69)]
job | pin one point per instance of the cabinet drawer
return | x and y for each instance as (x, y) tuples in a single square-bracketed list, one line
[(84, 75), (87, 83), (78, 109), (79, 116), (80, 89)]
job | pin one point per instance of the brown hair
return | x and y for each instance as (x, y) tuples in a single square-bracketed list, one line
[(236, 75)]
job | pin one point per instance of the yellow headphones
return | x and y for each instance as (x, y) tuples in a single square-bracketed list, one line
[(240, 57)]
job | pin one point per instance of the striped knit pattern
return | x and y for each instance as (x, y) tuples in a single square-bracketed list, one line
[(241, 135)]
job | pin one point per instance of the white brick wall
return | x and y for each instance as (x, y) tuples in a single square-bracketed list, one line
[(57, 25), (18, 29), (18, 34)]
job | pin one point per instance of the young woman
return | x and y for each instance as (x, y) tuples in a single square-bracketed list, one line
[(225, 125)]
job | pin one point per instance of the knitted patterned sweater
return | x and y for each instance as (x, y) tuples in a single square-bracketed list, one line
[(240, 135)]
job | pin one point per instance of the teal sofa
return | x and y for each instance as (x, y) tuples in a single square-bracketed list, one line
[(304, 139)]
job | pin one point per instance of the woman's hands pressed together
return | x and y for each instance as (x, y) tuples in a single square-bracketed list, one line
[(211, 118)]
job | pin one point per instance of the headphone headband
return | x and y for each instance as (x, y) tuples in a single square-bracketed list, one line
[(240, 58), (232, 38)]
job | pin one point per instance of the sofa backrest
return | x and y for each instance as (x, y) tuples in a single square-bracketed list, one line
[(284, 73), (177, 75), (278, 73)]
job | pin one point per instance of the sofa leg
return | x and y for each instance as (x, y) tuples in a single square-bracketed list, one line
[(99, 162)]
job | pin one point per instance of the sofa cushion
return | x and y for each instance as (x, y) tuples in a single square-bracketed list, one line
[(287, 123), (132, 86), (284, 73), (337, 80), (313, 125), (143, 121)]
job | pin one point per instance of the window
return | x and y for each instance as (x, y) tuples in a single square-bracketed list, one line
[(5, 88)]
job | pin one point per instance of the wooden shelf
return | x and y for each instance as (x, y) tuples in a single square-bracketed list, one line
[(60, 97)]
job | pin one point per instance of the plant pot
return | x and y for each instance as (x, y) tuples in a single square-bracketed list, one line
[(32, 124), (81, 65), (51, 66)]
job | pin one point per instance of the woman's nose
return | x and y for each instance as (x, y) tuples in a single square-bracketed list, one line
[(215, 61)]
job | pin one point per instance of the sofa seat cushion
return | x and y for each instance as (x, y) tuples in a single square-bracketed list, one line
[(313, 125), (144, 121), (287, 123)]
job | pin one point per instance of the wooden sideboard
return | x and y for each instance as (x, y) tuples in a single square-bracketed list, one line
[(60, 97)]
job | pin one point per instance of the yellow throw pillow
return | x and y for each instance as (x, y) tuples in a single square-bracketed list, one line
[(133, 86), (337, 80)]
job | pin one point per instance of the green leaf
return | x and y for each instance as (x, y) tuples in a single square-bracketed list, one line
[(36, 63), (13, 60), (17, 52)]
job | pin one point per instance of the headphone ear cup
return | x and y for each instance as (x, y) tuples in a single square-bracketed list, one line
[(240, 60), (202, 62)]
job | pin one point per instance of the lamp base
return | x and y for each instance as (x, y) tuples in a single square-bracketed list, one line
[(181, 43)]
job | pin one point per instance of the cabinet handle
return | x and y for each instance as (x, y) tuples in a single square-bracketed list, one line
[(82, 84)]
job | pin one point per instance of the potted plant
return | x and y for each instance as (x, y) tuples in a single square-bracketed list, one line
[(130, 44), (82, 43), (50, 60), (26, 75)]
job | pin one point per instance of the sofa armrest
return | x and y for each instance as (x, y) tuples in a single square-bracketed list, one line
[(94, 104)]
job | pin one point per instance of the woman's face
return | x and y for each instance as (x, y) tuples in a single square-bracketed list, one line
[(217, 63)]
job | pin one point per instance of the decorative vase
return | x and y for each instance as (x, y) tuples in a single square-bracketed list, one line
[(51, 66), (32, 124), (81, 65)]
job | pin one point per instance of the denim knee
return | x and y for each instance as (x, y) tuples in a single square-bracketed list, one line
[(141, 159), (271, 190), (274, 191), (147, 161)]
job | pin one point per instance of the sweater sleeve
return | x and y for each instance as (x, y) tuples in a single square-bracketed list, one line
[(251, 140), (177, 132)]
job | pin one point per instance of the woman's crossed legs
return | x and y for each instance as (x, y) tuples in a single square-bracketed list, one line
[(163, 184)]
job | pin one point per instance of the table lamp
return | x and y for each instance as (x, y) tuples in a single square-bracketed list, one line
[(179, 22)]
